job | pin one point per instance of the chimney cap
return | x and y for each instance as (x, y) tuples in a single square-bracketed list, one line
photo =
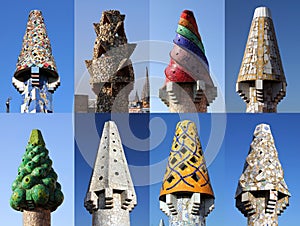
[(262, 12)]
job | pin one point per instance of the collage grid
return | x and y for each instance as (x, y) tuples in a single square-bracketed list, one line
[(159, 113)]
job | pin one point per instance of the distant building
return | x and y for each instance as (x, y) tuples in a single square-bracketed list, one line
[(142, 105), (83, 104), (146, 92), (136, 105)]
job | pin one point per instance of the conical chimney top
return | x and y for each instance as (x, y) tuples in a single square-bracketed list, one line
[(262, 59), (186, 171), (36, 50)]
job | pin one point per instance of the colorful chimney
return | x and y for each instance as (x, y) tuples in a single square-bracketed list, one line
[(186, 195), (111, 71), (262, 194), (111, 195), (36, 191), (36, 76), (188, 87), (261, 81)]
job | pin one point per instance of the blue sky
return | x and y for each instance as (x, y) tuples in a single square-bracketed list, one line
[(57, 131), (58, 17), (149, 20), (238, 20)]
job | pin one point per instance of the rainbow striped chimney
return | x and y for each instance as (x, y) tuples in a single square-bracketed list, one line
[(261, 81), (186, 195), (36, 76), (188, 86)]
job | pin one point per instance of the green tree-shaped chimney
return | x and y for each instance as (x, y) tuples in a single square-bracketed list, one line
[(36, 184)]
